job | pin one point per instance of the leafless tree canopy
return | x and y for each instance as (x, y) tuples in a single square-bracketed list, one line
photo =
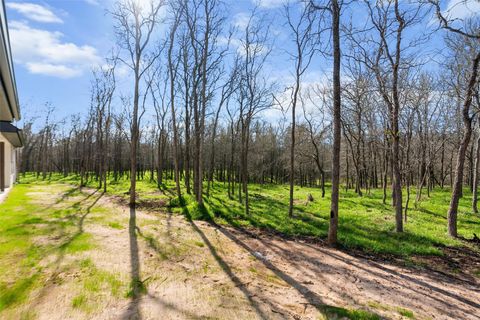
[(201, 105)]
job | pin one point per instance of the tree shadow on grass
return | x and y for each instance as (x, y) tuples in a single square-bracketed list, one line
[(79, 220), (360, 237), (354, 231), (65, 195), (137, 285), (20, 290), (262, 215), (70, 192), (432, 213)]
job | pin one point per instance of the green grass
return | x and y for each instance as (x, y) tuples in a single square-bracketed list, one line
[(78, 243), (24, 221), (342, 313), (406, 313), (79, 301), (94, 284), (17, 252), (402, 311), (364, 222), (115, 225)]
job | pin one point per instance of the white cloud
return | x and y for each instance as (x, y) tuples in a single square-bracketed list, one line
[(270, 4), (462, 9), (44, 52), (122, 71), (241, 20), (34, 12), (93, 2), (60, 71), (313, 83)]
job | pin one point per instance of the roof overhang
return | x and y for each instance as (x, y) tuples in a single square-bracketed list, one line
[(11, 133), (9, 106)]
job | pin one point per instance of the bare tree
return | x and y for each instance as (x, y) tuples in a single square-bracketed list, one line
[(305, 35), (472, 39), (103, 88), (317, 130), (476, 175), (159, 97), (134, 26), (225, 95), (254, 93), (172, 71), (387, 54), (334, 8)]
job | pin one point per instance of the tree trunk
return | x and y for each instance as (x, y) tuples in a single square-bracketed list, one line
[(332, 230), (475, 176), (172, 106), (467, 125)]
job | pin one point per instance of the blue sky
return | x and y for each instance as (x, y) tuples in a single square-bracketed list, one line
[(56, 43)]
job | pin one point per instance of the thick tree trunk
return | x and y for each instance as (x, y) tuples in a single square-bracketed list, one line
[(458, 183), (476, 176), (332, 230), (467, 126), (397, 182)]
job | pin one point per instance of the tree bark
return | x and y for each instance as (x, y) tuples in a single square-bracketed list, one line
[(476, 176), (467, 127), (332, 230)]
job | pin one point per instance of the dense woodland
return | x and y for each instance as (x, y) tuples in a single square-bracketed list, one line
[(398, 110)]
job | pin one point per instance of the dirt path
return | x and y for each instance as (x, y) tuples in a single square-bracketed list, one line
[(193, 270), (318, 275)]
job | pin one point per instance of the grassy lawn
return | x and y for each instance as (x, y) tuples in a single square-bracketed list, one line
[(365, 222), (41, 238), (61, 242), (52, 261)]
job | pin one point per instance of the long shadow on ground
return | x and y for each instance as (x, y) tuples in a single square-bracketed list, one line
[(313, 298), (136, 285)]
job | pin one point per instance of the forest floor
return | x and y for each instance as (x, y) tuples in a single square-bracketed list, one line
[(77, 253)]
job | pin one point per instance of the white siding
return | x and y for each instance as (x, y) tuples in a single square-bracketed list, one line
[(13, 165), (10, 162)]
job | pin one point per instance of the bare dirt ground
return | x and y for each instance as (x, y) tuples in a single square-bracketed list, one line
[(195, 270)]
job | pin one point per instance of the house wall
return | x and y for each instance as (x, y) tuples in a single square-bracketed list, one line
[(10, 162)]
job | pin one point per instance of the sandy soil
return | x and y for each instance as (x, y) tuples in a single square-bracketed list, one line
[(320, 275), (195, 270)]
